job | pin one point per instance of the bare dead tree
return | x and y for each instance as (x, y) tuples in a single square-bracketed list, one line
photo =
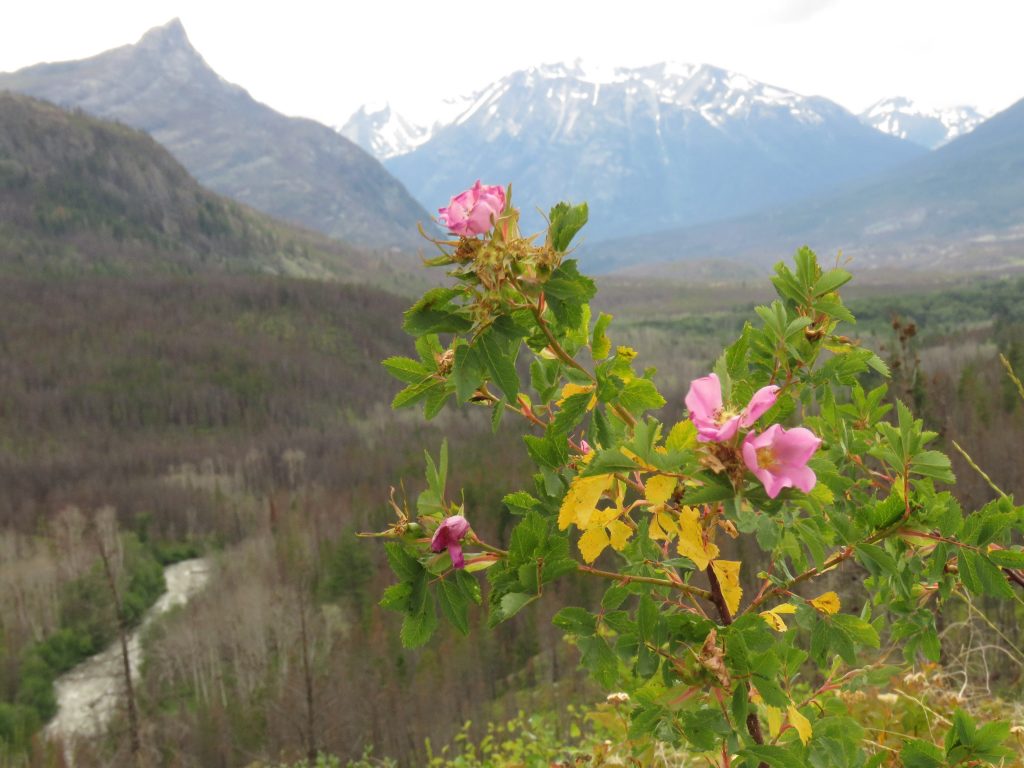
[(108, 545)]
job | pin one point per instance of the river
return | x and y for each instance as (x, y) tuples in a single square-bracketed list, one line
[(89, 695)]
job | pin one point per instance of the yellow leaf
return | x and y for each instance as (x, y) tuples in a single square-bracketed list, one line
[(663, 527), (774, 717), (774, 620), (571, 389), (619, 534), (801, 723), (682, 437), (728, 573), (581, 500), (593, 543), (691, 539), (658, 489), (827, 603)]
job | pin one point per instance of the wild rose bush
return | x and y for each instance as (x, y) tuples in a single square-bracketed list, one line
[(781, 445)]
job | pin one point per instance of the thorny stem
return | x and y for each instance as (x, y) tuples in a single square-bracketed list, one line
[(753, 722), (626, 578)]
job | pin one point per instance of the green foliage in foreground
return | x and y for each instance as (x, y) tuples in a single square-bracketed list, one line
[(87, 625), (753, 679)]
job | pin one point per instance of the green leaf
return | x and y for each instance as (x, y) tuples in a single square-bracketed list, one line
[(600, 660), (551, 451), (876, 559), (921, 754), (572, 411), (565, 221), (567, 291), (514, 602), (416, 392), (406, 369), (933, 464), (467, 372), (500, 361), (396, 597), (454, 604), (640, 395), (1007, 558), (405, 566), (600, 344), (434, 313), (775, 756), (417, 628), (830, 281), (981, 576), (520, 502), (575, 621)]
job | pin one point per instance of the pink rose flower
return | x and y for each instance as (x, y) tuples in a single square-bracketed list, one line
[(449, 535), (779, 458), (714, 423), (470, 213)]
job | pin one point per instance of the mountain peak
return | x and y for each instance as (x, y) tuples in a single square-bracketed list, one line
[(169, 36)]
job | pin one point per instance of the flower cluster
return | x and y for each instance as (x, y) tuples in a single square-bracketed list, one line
[(778, 457)]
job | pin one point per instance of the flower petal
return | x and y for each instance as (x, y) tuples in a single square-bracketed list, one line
[(762, 400)]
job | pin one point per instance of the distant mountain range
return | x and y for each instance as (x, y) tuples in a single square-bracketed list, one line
[(292, 168), (958, 207), (928, 127), (79, 195), (648, 148)]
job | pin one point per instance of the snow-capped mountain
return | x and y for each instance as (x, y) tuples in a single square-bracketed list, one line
[(929, 127), (650, 147), (386, 132)]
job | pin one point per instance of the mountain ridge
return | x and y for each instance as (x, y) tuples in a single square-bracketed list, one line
[(649, 147), (293, 168), (958, 207)]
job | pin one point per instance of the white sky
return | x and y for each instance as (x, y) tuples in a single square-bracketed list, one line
[(324, 59)]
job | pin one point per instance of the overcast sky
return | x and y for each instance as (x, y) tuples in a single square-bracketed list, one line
[(324, 59)]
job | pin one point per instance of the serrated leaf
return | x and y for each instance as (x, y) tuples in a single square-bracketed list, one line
[(566, 292), (406, 369), (405, 566), (434, 313), (418, 628), (514, 602), (416, 392), (520, 502), (682, 437), (572, 410), (640, 395), (1007, 558), (830, 281), (575, 621), (499, 361), (565, 221), (454, 604)]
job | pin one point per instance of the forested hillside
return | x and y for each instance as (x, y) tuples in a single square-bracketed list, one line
[(84, 196)]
